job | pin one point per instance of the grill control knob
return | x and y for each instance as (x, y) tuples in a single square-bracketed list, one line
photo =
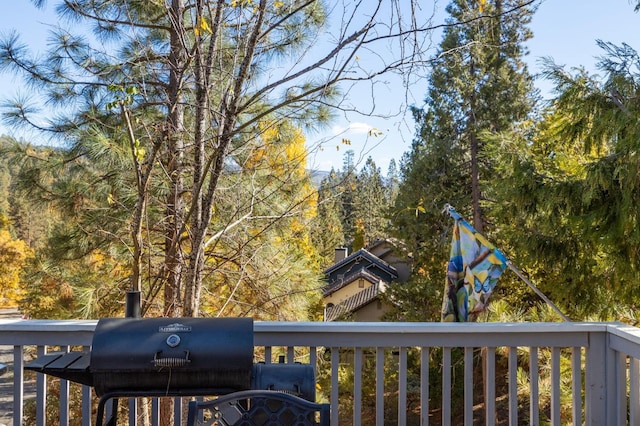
[(173, 340)]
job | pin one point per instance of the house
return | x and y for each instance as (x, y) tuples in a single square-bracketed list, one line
[(355, 282)]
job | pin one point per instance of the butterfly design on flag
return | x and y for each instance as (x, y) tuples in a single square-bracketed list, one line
[(472, 272)]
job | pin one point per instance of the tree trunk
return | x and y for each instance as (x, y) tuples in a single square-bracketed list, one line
[(475, 149), (174, 132)]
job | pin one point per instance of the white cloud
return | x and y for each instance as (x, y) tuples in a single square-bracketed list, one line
[(355, 128)]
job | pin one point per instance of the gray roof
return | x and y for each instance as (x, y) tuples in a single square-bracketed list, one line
[(355, 302), (344, 281), (364, 254)]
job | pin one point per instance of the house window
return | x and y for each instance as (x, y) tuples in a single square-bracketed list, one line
[(361, 283)]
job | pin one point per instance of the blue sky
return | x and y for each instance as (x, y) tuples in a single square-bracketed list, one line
[(565, 30)]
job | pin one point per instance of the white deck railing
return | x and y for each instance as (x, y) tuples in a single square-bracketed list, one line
[(579, 373)]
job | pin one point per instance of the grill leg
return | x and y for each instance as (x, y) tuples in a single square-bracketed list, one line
[(114, 411)]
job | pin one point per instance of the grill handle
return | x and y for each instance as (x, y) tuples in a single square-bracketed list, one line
[(170, 362)]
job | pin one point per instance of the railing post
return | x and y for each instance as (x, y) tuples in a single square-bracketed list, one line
[(357, 386), (576, 374), (18, 384), (379, 386), (64, 396), (335, 360), (599, 381), (402, 386), (41, 393)]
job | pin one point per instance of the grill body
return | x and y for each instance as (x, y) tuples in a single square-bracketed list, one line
[(295, 379), (172, 356)]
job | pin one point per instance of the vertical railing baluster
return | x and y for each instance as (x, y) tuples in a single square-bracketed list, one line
[(86, 398), (446, 386), (555, 386), (64, 402), (513, 385), (534, 406), (424, 386), (357, 386), (41, 393), (490, 387), (64, 396), (402, 386), (133, 411), (468, 386), (313, 359), (576, 380), (155, 412), (335, 364), (177, 411), (621, 388), (380, 386), (634, 391), (86, 405), (18, 385)]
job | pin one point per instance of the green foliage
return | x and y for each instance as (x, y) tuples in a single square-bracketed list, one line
[(417, 300), (327, 230), (353, 207), (479, 85), (372, 200), (573, 189), (266, 266), (154, 130)]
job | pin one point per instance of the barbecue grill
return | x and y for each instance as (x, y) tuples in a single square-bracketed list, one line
[(132, 357)]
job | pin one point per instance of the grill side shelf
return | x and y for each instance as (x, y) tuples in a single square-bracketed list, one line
[(73, 366)]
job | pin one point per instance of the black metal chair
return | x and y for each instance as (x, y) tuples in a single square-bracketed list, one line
[(258, 408)]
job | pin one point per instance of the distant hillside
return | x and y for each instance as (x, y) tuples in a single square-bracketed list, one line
[(317, 176)]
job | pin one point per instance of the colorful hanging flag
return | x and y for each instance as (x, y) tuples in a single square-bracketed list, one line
[(472, 273)]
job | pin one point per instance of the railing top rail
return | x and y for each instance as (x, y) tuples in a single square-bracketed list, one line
[(46, 332), (346, 334), (628, 332), (362, 334), (354, 327), (49, 325), (428, 327)]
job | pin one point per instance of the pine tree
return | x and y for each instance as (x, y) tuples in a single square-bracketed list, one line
[(371, 203), (479, 85), (392, 183), (174, 92), (574, 188), (327, 227)]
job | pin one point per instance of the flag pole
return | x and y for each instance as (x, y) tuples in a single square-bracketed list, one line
[(537, 290), (452, 212)]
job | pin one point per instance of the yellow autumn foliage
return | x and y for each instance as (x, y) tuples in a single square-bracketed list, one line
[(13, 256)]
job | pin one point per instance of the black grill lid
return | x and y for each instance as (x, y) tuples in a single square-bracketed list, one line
[(160, 356), (172, 355)]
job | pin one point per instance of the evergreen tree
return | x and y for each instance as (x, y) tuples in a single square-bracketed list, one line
[(170, 93), (574, 188), (327, 232), (348, 186), (479, 85), (371, 203), (392, 183)]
